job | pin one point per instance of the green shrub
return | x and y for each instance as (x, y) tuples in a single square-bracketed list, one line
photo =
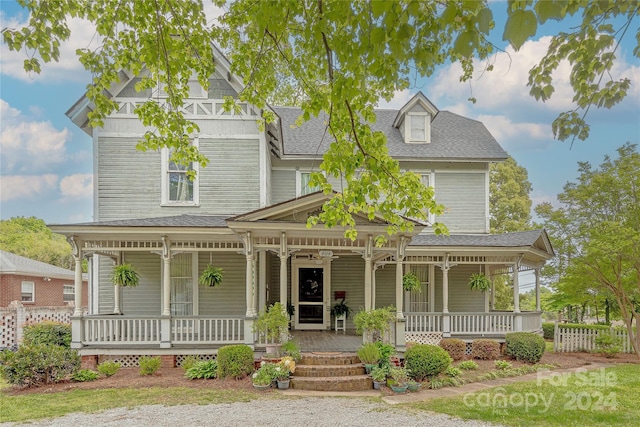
[(426, 361), (188, 362), (369, 353), (206, 369), (548, 330), (453, 372), (235, 361), (468, 365), (291, 348), (608, 345), (454, 346), (484, 349), (47, 333), (38, 364), (502, 364), (109, 368), (149, 365), (84, 375), (525, 346)]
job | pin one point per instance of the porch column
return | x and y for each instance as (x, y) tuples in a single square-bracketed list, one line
[(446, 319), (77, 311), (262, 280), (116, 289), (367, 273), (284, 255), (166, 277), (76, 319), (250, 289), (537, 273), (373, 286), (516, 289), (399, 290)]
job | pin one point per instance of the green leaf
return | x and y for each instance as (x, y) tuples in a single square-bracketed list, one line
[(549, 9), (520, 26)]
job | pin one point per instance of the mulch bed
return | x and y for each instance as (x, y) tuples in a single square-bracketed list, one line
[(174, 377)]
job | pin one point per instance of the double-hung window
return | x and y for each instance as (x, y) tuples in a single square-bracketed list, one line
[(428, 179), (302, 184), (177, 187), (68, 293), (418, 128), (28, 292)]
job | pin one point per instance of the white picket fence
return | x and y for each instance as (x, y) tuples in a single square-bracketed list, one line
[(14, 318), (577, 339)]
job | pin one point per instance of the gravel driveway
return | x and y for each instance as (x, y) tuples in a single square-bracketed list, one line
[(307, 412)]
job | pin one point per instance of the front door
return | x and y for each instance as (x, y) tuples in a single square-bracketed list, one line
[(310, 295)]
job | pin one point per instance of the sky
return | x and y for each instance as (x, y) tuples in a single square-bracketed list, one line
[(46, 161)]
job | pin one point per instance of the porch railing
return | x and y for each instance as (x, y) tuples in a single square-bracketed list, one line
[(494, 323), (147, 330)]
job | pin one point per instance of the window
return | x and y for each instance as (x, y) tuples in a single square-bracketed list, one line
[(302, 184), (28, 292), (68, 293), (429, 181), (177, 188), (418, 128), (418, 302), (182, 285)]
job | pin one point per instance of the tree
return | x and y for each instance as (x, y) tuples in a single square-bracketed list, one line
[(509, 200), (31, 238), (600, 215), (344, 56)]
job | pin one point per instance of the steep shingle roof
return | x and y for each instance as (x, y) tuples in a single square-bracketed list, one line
[(515, 239), (11, 263), (452, 137)]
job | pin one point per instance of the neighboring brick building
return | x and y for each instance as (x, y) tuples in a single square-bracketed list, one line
[(36, 283)]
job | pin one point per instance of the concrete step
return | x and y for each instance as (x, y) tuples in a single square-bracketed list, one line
[(329, 370), (346, 383), (329, 358)]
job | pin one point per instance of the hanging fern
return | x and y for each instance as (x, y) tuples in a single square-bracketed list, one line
[(479, 282), (125, 275), (211, 276), (411, 283)]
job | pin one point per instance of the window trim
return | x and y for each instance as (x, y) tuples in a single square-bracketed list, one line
[(165, 201), (73, 293), (427, 128), (299, 192), (33, 291)]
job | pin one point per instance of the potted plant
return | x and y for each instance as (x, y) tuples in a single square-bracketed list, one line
[(369, 354), (413, 385), (378, 375), (399, 376), (283, 370), (341, 309), (479, 282), (272, 325), (263, 377), (211, 276), (125, 275), (375, 323), (411, 283)]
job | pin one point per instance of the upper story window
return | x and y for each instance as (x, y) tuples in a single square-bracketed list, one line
[(418, 128), (68, 293), (428, 179), (28, 292), (302, 184), (177, 187)]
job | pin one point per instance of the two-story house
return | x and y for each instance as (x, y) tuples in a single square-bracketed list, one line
[(246, 212)]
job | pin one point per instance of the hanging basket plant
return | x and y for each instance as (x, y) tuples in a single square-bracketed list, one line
[(479, 282), (125, 275), (411, 283), (211, 276)]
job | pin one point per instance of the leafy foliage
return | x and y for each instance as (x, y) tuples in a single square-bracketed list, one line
[(84, 375), (426, 361), (272, 323), (235, 361), (149, 365), (509, 197), (369, 353), (479, 282), (211, 276), (203, 369), (548, 330), (608, 345), (47, 333), (375, 322), (454, 346), (38, 364), (468, 365), (411, 283), (109, 368), (335, 66), (502, 364), (525, 346), (485, 349), (125, 275)]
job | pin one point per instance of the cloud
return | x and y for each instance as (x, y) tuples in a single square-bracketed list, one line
[(400, 98), (29, 146), (510, 133), (77, 186), (83, 35), (16, 187)]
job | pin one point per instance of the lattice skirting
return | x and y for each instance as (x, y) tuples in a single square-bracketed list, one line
[(180, 358), (432, 338), (133, 360)]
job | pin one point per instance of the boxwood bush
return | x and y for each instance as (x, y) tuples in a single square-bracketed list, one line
[(525, 346), (426, 361), (548, 330), (48, 333), (38, 364), (485, 349), (235, 361), (454, 346)]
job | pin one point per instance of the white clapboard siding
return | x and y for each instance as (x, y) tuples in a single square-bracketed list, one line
[(228, 298), (283, 185), (463, 195), (144, 299)]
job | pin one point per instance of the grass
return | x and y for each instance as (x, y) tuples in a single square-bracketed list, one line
[(595, 398), (35, 406)]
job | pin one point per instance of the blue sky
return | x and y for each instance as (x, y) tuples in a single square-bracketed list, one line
[(46, 162)]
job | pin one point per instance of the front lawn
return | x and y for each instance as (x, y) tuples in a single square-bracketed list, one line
[(602, 397)]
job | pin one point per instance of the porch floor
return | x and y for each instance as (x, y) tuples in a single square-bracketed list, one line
[(310, 341)]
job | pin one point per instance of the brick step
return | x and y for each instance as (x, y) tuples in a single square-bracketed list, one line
[(346, 383), (329, 370), (329, 359)]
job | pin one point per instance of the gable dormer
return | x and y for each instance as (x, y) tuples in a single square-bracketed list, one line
[(414, 120)]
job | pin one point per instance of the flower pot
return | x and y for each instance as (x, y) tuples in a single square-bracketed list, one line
[(368, 367), (273, 349), (414, 386), (261, 387), (377, 385), (399, 388), (283, 384)]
